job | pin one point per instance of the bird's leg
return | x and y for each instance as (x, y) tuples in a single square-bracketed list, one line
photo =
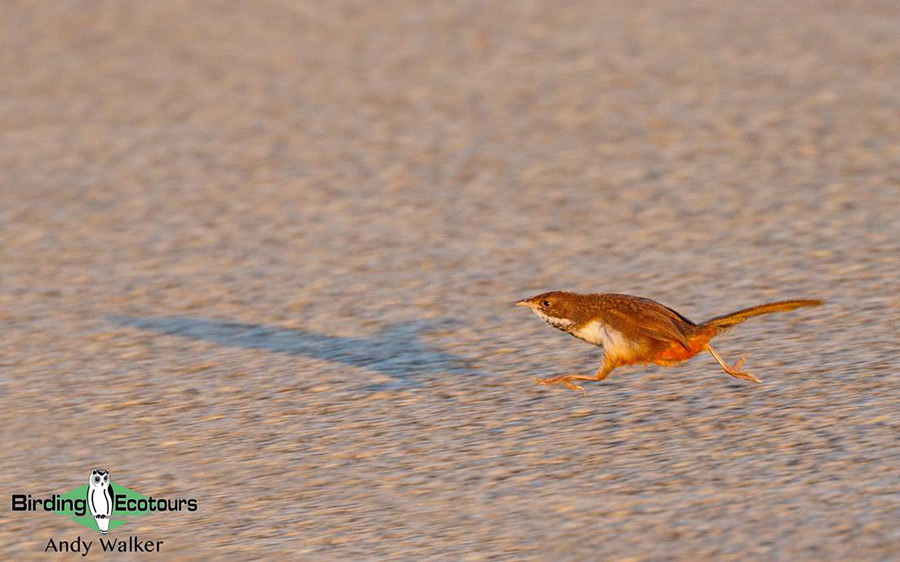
[(734, 370), (566, 380)]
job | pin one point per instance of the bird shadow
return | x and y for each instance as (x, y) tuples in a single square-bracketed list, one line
[(397, 350)]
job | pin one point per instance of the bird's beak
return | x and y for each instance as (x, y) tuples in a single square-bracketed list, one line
[(524, 302)]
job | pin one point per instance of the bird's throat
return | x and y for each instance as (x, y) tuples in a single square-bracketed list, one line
[(563, 324)]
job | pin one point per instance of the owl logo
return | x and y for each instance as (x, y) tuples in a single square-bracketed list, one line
[(100, 498)]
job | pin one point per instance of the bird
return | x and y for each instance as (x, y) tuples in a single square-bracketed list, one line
[(100, 498), (639, 331)]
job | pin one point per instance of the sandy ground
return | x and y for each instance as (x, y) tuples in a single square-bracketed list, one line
[(266, 258)]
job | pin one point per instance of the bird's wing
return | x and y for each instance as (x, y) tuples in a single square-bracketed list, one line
[(112, 500), (645, 317)]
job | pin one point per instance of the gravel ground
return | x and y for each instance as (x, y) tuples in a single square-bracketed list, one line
[(264, 255)]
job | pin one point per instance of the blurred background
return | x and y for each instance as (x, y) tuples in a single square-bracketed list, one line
[(264, 254)]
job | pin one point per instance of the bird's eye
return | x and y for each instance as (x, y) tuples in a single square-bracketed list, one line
[(545, 303), (97, 479)]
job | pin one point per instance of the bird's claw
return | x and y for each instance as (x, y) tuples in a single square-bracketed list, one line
[(564, 380), (735, 371)]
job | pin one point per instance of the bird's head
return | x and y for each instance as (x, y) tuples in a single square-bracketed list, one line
[(560, 309), (99, 477)]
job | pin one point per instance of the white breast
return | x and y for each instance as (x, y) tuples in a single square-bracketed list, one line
[(99, 500), (613, 341)]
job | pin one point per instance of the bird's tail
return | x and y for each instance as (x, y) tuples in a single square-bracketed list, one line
[(726, 321)]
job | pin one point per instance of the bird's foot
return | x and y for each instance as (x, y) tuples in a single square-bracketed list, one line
[(564, 380), (735, 371)]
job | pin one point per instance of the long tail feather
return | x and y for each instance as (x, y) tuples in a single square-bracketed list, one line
[(733, 319)]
